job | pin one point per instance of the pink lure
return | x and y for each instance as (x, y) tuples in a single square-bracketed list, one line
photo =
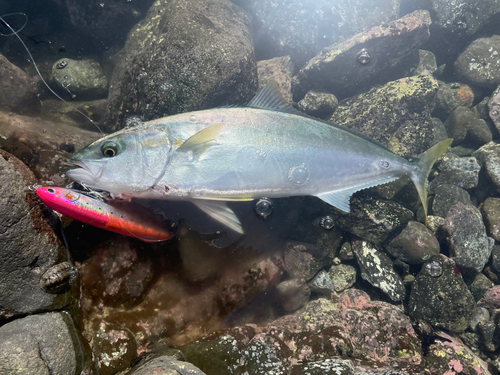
[(95, 212)]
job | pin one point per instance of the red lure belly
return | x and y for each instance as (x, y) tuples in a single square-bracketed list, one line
[(95, 212)]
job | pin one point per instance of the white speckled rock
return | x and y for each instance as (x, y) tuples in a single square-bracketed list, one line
[(376, 268)]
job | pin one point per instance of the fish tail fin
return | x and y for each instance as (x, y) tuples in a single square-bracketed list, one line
[(424, 165)]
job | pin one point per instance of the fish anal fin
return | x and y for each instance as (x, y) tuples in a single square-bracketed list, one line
[(204, 139), (340, 198), (218, 210)]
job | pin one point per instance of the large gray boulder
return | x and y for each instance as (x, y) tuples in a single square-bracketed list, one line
[(302, 28), (374, 56), (479, 64), (18, 92), (43, 344), (184, 55), (29, 245), (454, 23)]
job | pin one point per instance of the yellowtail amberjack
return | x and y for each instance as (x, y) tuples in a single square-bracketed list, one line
[(267, 149)]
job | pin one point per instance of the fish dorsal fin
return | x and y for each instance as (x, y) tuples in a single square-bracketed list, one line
[(270, 98), (340, 198), (219, 211), (203, 140)]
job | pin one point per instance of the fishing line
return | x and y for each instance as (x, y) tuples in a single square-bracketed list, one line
[(14, 32)]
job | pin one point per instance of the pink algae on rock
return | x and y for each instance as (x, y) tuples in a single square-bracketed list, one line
[(491, 298)]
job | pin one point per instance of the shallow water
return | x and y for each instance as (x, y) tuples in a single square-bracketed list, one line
[(210, 278)]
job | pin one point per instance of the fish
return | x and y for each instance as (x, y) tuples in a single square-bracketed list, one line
[(265, 149), (93, 211)]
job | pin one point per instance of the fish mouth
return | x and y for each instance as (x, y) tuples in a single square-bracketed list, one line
[(85, 173)]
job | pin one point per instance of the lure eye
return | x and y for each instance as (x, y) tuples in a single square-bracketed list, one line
[(109, 151), (51, 191)]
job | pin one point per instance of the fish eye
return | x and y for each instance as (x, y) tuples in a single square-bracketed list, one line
[(109, 150)]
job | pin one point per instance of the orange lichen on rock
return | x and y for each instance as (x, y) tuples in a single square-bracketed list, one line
[(465, 95)]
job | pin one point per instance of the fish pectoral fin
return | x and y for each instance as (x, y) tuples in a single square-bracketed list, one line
[(340, 198), (203, 140), (219, 211)]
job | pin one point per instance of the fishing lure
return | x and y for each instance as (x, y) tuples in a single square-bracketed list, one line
[(100, 214)]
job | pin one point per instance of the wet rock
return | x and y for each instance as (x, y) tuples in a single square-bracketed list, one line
[(478, 315), (427, 63), (465, 127), (438, 130), (325, 367), (165, 365), (482, 111), (349, 328), (440, 296), (318, 104), (240, 349), (483, 152), (479, 65), (448, 354), (321, 284), (495, 257), (373, 219), (114, 348), (301, 30), (107, 23), (353, 327), (393, 114), (469, 245), (414, 245), (486, 333), (208, 49), (368, 58), (391, 189), (119, 272), (434, 223), (345, 252), (446, 196), (369, 370), (491, 215), (238, 289), (29, 245), (317, 225), (220, 353), (491, 299), (59, 112), (451, 96), (480, 285), (303, 260), (492, 167), (83, 79), (462, 151), (490, 274), (455, 21), (280, 70), (461, 172), (342, 276), (377, 268), (18, 90), (43, 146), (293, 294), (494, 107), (42, 344)]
